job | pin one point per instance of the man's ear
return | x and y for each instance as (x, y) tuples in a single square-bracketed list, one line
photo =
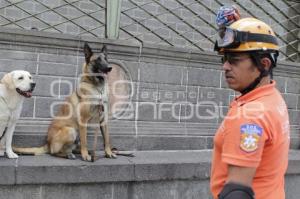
[(87, 52), (8, 81), (266, 63)]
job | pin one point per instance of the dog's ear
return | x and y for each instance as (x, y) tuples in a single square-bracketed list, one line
[(104, 50), (87, 52), (8, 81)]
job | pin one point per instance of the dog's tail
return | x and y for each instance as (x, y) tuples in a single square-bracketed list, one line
[(32, 151)]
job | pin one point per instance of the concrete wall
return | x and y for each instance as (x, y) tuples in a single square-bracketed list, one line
[(178, 96)]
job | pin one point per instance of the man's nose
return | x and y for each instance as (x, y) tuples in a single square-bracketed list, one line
[(226, 66)]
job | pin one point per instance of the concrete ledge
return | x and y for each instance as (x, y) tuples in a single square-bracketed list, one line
[(151, 174), (152, 165), (146, 166)]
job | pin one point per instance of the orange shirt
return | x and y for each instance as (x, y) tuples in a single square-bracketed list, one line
[(254, 133)]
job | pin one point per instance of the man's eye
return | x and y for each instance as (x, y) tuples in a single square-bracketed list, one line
[(234, 60)]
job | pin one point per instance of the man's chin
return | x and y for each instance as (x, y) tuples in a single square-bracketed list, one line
[(233, 87)]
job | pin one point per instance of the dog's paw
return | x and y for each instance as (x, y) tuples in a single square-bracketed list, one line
[(86, 157), (12, 155), (2, 153), (71, 156), (110, 154)]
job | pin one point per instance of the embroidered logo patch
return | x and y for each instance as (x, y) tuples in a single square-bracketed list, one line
[(250, 134)]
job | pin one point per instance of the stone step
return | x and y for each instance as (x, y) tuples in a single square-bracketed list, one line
[(181, 173), (131, 135), (126, 135)]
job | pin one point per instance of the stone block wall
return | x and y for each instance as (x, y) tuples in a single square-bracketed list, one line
[(178, 97)]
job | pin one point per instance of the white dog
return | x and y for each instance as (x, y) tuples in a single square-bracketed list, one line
[(14, 86)]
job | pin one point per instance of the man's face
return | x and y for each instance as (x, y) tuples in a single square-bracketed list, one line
[(239, 70)]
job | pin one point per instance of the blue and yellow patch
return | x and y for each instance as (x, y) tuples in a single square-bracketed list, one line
[(250, 135)]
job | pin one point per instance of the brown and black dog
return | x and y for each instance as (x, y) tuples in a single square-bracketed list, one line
[(83, 107)]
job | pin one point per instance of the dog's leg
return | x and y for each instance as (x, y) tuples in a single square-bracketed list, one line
[(106, 142), (104, 126), (84, 117), (66, 153), (2, 146), (63, 143), (83, 143), (2, 139), (10, 131), (95, 145), (8, 139), (68, 149)]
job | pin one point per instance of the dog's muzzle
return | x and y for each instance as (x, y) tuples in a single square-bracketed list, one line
[(28, 93)]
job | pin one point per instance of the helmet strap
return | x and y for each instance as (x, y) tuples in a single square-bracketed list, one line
[(251, 86), (263, 73)]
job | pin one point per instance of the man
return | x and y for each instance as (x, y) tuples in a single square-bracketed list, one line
[(250, 155)]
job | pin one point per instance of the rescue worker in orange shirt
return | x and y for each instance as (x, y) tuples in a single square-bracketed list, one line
[(250, 154)]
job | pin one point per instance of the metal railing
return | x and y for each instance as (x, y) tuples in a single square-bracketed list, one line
[(188, 24), (285, 18), (53, 16)]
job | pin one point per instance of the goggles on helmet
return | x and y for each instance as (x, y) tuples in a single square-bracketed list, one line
[(233, 38)]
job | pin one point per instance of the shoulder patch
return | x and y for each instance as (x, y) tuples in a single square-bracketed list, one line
[(250, 135)]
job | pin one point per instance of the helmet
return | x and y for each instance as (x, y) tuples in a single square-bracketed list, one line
[(227, 15), (247, 34)]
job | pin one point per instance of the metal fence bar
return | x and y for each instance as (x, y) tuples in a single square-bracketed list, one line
[(279, 10), (153, 31), (282, 25), (277, 35), (34, 15), (150, 2), (12, 22), (291, 6), (127, 32), (167, 25), (31, 15), (89, 15), (279, 22), (64, 18), (147, 28), (181, 19), (189, 24), (143, 20), (12, 4), (71, 19), (184, 21)]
